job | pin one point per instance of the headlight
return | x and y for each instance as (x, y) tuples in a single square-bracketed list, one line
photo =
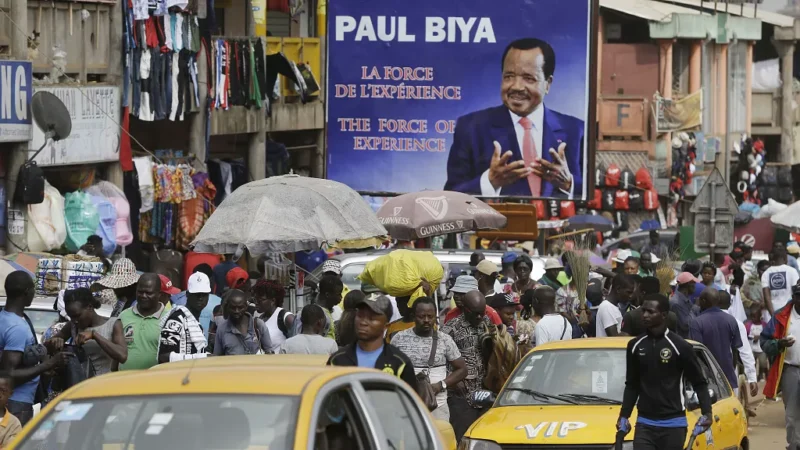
[(627, 445), (477, 444)]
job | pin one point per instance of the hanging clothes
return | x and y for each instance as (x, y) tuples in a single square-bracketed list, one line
[(238, 73)]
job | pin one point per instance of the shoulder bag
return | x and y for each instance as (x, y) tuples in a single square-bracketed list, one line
[(424, 387)]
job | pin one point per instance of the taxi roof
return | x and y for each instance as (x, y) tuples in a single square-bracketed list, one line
[(248, 360), (620, 342), (211, 377)]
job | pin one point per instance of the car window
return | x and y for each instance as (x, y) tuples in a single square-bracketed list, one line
[(719, 376), (41, 319), (708, 373), (400, 417), (255, 422), (349, 274), (339, 424)]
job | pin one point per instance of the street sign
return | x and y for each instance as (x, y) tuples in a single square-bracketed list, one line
[(714, 209)]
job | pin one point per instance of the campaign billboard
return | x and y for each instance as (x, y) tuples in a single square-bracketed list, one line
[(16, 90), (488, 98)]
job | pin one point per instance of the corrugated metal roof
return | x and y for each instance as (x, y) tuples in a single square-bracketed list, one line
[(647, 9), (771, 18)]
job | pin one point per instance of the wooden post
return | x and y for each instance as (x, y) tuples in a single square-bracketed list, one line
[(197, 121), (749, 86), (665, 86), (695, 65), (786, 52)]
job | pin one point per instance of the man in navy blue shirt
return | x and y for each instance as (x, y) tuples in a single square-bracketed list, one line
[(718, 331)]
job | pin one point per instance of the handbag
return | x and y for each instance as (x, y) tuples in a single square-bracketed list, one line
[(424, 387)]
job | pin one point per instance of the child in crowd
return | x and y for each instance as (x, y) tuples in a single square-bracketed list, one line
[(754, 326)]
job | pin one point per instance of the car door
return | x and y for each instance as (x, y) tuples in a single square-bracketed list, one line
[(339, 420), (404, 424), (726, 411)]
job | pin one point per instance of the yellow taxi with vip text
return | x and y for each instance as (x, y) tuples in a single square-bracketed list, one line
[(264, 402), (567, 395)]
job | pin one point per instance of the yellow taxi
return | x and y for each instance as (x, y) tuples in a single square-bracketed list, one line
[(269, 402), (567, 395)]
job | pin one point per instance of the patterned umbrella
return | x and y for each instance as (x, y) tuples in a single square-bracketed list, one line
[(6, 267), (288, 214), (434, 213)]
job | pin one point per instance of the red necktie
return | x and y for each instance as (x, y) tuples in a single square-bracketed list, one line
[(529, 155)]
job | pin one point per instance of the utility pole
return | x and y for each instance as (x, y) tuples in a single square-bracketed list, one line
[(19, 151)]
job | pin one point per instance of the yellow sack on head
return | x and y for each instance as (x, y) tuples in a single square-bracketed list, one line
[(399, 273)]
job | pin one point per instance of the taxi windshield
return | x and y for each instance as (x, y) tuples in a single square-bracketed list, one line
[(558, 377), (177, 422)]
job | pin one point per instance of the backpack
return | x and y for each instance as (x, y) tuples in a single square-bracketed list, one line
[(621, 219), (30, 184), (769, 192), (644, 180), (540, 209), (785, 176), (621, 200), (612, 175), (600, 175), (609, 195), (785, 195), (636, 200), (597, 201), (553, 209), (627, 179), (650, 200), (567, 209), (769, 176), (503, 357)]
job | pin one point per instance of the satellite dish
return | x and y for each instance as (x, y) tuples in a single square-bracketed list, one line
[(51, 116)]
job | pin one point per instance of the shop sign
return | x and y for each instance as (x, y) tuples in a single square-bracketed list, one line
[(418, 98), (16, 90), (95, 114)]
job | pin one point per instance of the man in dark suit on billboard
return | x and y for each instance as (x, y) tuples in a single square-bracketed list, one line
[(521, 148)]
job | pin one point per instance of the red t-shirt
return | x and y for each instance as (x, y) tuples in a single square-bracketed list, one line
[(490, 312)]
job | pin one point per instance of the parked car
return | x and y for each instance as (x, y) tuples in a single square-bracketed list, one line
[(42, 313), (638, 239), (453, 261), (568, 394), (225, 402)]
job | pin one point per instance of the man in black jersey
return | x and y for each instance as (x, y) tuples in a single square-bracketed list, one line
[(657, 361)]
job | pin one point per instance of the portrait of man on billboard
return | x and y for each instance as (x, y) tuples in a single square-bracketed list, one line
[(522, 147)]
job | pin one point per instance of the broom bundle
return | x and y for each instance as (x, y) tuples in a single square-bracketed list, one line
[(665, 273), (578, 260)]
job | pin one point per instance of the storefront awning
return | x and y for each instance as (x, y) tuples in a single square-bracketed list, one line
[(647, 9), (748, 10)]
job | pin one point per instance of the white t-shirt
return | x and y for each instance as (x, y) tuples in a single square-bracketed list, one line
[(551, 328), (793, 353), (779, 280), (607, 315), (755, 333)]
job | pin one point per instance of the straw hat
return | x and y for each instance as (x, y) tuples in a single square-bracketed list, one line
[(123, 274)]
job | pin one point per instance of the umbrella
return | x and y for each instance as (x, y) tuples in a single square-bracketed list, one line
[(789, 218), (584, 221), (434, 213), (8, 266), (288, 214)]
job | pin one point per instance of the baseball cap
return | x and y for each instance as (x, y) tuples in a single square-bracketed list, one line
[(622, 255), (236, 277), (654, 259), (199, 284), (509, 257), (793, 249), (464, 284), (500, 300), (686, 277), (486, 267), (553, 263), (378, 304), (166, 286), (332, 265)]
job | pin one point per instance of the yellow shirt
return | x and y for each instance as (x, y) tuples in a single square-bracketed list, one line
[(396, 326), (345, 291), (9, 429)]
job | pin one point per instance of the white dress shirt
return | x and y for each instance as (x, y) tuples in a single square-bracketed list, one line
[(746, 352), (537, 119)]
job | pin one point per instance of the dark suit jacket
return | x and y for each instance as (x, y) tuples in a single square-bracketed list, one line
[(473, 146)]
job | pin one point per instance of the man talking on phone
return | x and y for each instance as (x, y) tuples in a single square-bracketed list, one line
[(657, 362), (779, 341)]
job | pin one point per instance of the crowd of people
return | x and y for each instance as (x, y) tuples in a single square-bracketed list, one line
[(447, 354)]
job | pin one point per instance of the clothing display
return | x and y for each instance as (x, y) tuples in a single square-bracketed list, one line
[(161, 40), (237, 69)]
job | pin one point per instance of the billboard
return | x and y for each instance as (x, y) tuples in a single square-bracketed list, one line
[(491, 99), (16, 90)]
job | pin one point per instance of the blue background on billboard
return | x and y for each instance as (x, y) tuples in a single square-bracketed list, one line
[(8, 79), (475, 67)]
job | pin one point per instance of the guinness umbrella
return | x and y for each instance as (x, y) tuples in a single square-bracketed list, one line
[(434, 213), (288, 214)]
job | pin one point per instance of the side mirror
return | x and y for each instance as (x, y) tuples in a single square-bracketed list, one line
[(483, 398)]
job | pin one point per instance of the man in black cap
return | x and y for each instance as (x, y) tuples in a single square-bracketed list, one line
[(370, 350)]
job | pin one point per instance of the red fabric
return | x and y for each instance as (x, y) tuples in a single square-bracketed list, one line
[(540, 209), (236, 278), (151, 35), (650, 200), (612, 175), (490, 313), (194, 259), (125, 151), (643, 179), (622, 202), (278, 5), (567, 209), (597, 201)]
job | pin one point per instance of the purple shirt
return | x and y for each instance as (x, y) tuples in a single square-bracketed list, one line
[(718, 331)]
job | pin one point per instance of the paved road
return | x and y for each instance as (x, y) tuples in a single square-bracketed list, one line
[(767, 430)]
